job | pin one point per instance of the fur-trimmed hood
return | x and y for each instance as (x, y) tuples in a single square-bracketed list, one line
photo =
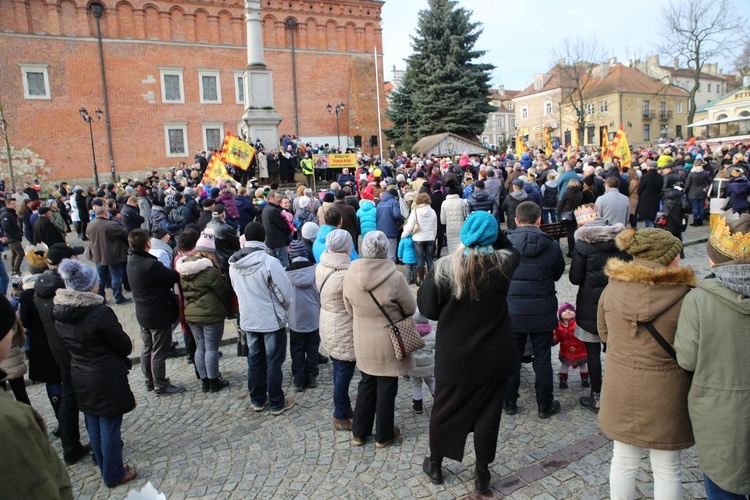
[(188, 266), (596, 233), (650, 273), (71, 306)]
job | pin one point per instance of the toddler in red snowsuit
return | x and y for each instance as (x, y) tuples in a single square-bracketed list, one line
[(572, 350)]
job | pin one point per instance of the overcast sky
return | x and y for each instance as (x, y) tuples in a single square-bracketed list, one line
[(519, 36)]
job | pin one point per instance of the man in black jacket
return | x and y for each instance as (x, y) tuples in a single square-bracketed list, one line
[(532, 304), (44, 293), (130, 214), (227, 241), (277, 230), (155, 309), (45, 231), (12, 233)]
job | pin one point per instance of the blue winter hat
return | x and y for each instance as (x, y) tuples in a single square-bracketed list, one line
[(77, 275), (480, 229)]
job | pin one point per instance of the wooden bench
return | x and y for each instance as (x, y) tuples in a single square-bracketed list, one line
[(556, 230)]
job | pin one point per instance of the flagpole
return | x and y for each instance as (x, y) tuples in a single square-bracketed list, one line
[(377, 93)]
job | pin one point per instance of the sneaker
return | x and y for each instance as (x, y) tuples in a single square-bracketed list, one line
[(260, 408), (288, 403), (552, 409), (170, 390), (591, 401), (510, 407), (124, 300), (417, 407)]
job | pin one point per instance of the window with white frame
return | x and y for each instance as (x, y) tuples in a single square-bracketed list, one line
[(209, 85), (176, 139), (679, 107), (213, 135), (524, 112), (548, 107), (538, 84), (510, 105), (172, 87), (603, 107), (709, 88), (512, 123), (239, 86), (35, 81), (590, 108)]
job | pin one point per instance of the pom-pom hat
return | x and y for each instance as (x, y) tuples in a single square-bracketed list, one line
[(653, 244)]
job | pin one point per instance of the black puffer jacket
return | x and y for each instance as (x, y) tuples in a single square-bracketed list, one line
[(595, 244), (676, 205), (44, 292), (481, 201), (532, 301), (99, 350)]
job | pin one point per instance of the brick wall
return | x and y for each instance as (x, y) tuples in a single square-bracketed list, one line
[(334, 44)]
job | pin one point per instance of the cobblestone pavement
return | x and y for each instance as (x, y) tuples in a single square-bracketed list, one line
[(213, 446)]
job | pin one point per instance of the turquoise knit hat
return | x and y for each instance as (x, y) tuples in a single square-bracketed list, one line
[(480, 229)]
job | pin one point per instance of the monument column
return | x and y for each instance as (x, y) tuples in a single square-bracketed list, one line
[(261, 118)]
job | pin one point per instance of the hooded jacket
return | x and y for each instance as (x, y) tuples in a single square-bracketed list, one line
[(227, 199), (481, 201), (452, 216), (424, 358), (246, 209), (319, 246), (304, 309), (549, 194), (372, 345), (227, 241), (510, 203), (738, 191), (99, 350), (532, 301), (336, 324), (388, 215), (595, 245), (366, 216), (405, 251), (263, 289), (162, 251), (712, 342), (644, 395), (10, 227), (424, 217), (204, 291)]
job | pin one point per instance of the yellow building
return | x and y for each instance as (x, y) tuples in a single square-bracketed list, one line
[(725, 118)]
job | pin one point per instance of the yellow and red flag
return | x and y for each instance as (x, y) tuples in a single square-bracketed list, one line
[(620, 148), (520, 146), (215, 171), (237, 152), (547, 142)]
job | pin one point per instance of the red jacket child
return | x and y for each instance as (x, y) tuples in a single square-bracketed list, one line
[(572, 350)]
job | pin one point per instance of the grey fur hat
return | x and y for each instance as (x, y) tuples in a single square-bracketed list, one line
[(375, 245), (77, 275)]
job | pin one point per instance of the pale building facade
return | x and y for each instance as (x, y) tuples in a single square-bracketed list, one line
[(501, 124)]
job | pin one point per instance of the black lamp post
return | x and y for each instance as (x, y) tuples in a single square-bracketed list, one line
[(88, 118), (336, 111), (98, 9)]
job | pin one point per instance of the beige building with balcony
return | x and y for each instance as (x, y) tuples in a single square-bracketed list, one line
[(501, 124), (538, 106)]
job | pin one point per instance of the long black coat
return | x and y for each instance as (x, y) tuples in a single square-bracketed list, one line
[(44, 292), (474, 339), (649, 194), (595, 245), (46, 232), (277, 230), (152, 285), (42, 365), (532, 301), (696, 185), (99, 350)]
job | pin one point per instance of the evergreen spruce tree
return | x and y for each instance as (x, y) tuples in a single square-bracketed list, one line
[(401, 113), (449, 90)]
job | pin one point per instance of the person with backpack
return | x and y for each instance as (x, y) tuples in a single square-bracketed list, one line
[(549, 198), (676, 209)]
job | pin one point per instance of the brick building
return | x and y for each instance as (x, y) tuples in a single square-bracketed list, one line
[(174, 73)]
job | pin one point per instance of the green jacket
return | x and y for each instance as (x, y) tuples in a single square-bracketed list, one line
[(205, 293), (713, 341), (31, 468)]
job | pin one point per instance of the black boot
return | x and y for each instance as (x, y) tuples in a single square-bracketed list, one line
[(482, 481), (56, 401), (563, 380), (217, 384), (433, 469), (206, 384)]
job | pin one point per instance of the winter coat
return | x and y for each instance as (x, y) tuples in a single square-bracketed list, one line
[(162, 251), (46, 232), (614, 207), (572, 351), (130, 218), (532, 301), (535, 194), (406, 253), (302, 216), (595, 245), (495, 189), (159, 218), (388, 215), (10, 227), (144, 208), (562, 182), (649, 194), (549, 194), (425, 218), (336, 325), (42, 365), (44, 293), (644, 396), (14, 365), (372, 345), (475, 344), (319, 246), (453, 215), (227, 241), (109, 242), (738, 191), (571, 199), (246, 209), (227, 199), (633, 195), (277, 229), (677, 207), (526, 161), (204, 291), (99, 350), (510, 204), (152, 285), (304, 310), (712, 342), (480, 201), (424, 358), (696, 184), (436, 203), (366, 216), (320, 213), (263, 289), (349, 220)]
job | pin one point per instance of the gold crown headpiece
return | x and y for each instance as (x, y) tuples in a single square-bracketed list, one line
[(732, 245), (585, 214)]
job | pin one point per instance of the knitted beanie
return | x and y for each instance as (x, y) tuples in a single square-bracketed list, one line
[(255, 231), (480, 229), (207, 241), (656, 245), (374, 245), (564, 307), (310, 230), (304, 201), (77, 275), (297, 250), (338, 241)]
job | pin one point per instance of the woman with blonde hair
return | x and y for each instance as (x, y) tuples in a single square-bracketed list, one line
[(422, 226)]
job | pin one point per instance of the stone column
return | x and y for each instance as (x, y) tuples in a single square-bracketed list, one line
[(253, 24)]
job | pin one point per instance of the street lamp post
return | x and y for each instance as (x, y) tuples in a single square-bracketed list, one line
[(98, 9), (88, 118), (336, 111)]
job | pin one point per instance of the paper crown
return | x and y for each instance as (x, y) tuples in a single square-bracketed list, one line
[(732, 245), (585, 214)]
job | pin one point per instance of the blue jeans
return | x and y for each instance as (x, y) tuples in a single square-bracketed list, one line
[(104, 434), (115, 273), (303, 348), (649, 222), (4, 280), (541, 343), (266, 353), (207, 341), (282, 254), (716, 492), (549, 215), (424, 251), (699, 210), (343, 371)]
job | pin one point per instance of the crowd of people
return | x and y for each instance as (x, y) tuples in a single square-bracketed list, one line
[(318, 270)]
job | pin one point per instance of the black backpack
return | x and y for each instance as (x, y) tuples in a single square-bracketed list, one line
[(549, 198)]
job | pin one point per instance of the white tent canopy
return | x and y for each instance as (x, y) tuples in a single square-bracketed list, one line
[(703, 123)]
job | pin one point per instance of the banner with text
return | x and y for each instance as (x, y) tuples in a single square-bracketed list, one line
[(335, 161)]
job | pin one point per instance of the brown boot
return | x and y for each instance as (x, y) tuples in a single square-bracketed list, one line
[(342, 424)]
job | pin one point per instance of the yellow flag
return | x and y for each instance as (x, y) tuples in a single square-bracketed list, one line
[(620, 148), (606, 156), (237, 152), (547, 142), (215, 171), (520, 146)]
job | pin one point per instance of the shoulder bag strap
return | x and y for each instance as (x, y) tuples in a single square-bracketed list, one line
[(320, 290), (381, 309), (660, 340)]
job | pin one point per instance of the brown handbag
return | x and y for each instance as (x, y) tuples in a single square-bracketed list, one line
[(404, 335)]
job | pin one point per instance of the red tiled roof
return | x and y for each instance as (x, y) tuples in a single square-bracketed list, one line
[(624, 79)]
